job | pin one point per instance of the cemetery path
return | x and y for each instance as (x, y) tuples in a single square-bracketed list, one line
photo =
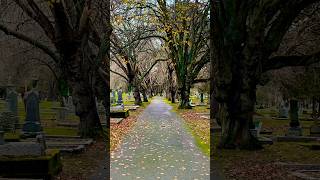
[(159, 148)]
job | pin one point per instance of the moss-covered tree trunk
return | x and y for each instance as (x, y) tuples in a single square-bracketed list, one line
[(80, 76), (236, 107), (184, 92), (136, 94)]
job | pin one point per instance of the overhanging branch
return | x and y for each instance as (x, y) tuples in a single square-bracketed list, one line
[(286, 61), (119, 75), (31, 41), (145, 74)]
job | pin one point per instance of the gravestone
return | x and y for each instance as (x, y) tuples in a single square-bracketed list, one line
[(120, 100), (315, 128), (295, 129), (12, 105), (284, 111), (112, 98), (70, 104), (1, 136), (60, 113), (101, 112), (32, 126)]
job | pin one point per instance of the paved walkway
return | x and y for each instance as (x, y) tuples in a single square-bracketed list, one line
[(159, 148)]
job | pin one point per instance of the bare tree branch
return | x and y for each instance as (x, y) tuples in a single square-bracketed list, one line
[(119, 74), (285, 61), (31, 41)]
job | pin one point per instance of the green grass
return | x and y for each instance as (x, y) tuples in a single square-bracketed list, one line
[(61, 131), (196, 100), (196, 128), (280, 127), (11, 136), (202, 145)]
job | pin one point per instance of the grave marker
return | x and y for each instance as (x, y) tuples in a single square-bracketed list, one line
[(284, 111), (295, 129), (32, 125), (120, 101)]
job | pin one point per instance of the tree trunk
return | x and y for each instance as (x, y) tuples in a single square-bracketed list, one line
[(236, 96), (319, 106), (235, 116), (313, 105), (137, 97), (86, 109), (144, 94), (294, 116), (81, 76), (85, 106), (173, 96), (184, 92), (171, 85)]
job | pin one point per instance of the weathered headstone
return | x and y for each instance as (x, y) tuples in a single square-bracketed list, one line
[(60, 113), (112, 98), (284, 111), (101, 112), (70, 106), (1, 136), (315, 128), (120, 100), (32, 125), (129, 96), (12, 105), (295, 129)]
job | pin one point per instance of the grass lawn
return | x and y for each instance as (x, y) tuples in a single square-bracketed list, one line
[(61, 131)]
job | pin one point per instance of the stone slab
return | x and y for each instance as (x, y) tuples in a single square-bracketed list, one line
[(265, 140), (44, 167), (66, 149), (116, 120), (20, 149), (68, 124), (297, 166), (304, 174), (205, 117), (266, 132), (62, 137), (295, 139), (278, 118), (56, 141), (119, 114)]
